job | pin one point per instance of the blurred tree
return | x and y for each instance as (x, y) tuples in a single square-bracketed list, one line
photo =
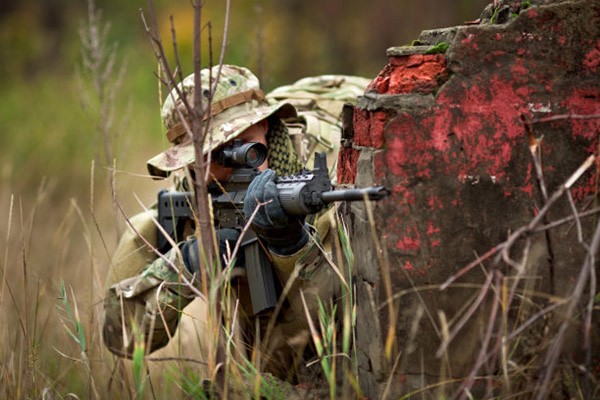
[(281, 40)]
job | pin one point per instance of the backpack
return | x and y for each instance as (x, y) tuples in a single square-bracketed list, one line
[(319, 101)]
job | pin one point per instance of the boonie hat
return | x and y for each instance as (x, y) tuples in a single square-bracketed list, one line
[(237, 104)]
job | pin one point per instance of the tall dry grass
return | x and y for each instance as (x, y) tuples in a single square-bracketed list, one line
[(55, 255)]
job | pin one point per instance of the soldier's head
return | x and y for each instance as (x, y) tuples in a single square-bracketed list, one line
[(238, 109)]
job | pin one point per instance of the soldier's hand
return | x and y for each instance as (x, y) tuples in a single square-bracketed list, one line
[(284, 233), (226, 237)]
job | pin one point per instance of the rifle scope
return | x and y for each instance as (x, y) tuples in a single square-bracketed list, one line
[(251, 154)]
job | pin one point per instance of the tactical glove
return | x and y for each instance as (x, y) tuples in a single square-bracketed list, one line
[(284, 233), (189, 250)]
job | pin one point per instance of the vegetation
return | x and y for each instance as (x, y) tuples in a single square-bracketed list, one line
[(59, 179)]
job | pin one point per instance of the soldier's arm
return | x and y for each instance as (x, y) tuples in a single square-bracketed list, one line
[(309, 270), (145, 294), (313, 252)]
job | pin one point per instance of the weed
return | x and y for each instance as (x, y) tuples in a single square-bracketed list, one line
[(440, 48)]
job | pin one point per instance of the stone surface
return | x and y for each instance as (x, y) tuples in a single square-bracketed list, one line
[(437, 36), (445, 133)]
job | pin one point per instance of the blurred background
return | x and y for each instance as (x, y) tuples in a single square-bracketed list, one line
[(74, 104)]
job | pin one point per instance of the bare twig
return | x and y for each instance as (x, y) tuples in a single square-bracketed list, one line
[(590, 306), (469, 267), (98, 64), (507, 245), (557, 344), (565, 220), (186, 359), (177, 62), (167, 74), (461, 323), (535, 150), (562, 117), (481, 358)]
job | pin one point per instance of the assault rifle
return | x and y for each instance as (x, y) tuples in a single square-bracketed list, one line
[(305, 193)]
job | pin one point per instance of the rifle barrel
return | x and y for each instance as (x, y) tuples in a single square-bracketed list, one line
[(371, 193)]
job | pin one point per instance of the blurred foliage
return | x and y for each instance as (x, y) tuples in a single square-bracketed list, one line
[(45, 131), (46, 136)]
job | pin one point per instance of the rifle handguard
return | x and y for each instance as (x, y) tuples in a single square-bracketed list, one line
[(310, 191)]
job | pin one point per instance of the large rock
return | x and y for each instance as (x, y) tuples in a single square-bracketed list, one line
[(444, 131)]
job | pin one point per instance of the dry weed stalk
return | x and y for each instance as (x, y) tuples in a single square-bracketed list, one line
[(98, 96)]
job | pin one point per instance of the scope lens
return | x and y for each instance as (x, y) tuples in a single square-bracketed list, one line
[(252, 156)]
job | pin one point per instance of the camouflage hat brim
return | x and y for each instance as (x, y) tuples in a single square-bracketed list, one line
[(225, 126)]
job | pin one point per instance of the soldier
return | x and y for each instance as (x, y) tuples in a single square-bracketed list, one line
[(145, 294)]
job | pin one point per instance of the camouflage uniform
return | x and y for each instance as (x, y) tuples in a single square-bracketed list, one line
[(147, 293)]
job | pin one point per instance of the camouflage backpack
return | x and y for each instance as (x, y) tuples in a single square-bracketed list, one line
[(319, 101)]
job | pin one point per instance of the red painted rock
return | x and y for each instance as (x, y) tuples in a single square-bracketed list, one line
[(446, 133)]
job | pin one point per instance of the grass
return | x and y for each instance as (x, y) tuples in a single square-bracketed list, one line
[(53, 260), (56, 253)]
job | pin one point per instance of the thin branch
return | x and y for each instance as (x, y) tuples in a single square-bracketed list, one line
[(565, 220), (179, 69), (461, 323), (507, 245), (535, 150), (186, 359), (482, 357), (159, 53), (562, 117), (469, 267), (574, 298)]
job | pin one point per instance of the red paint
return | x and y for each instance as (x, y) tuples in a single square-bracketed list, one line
[(346, 167), (383, 84), (361, 123), (469, 40), (431, 230), (378, 121), (409, 198), (380, 167), (369, 127), (474, 129), (584, 102), (586, 189), (407, 150), (435, 203), (409, 74), (380, 83), (399, 188), (527, 189), (407, 243), (592, 58), (519, 71), (488, 122)]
